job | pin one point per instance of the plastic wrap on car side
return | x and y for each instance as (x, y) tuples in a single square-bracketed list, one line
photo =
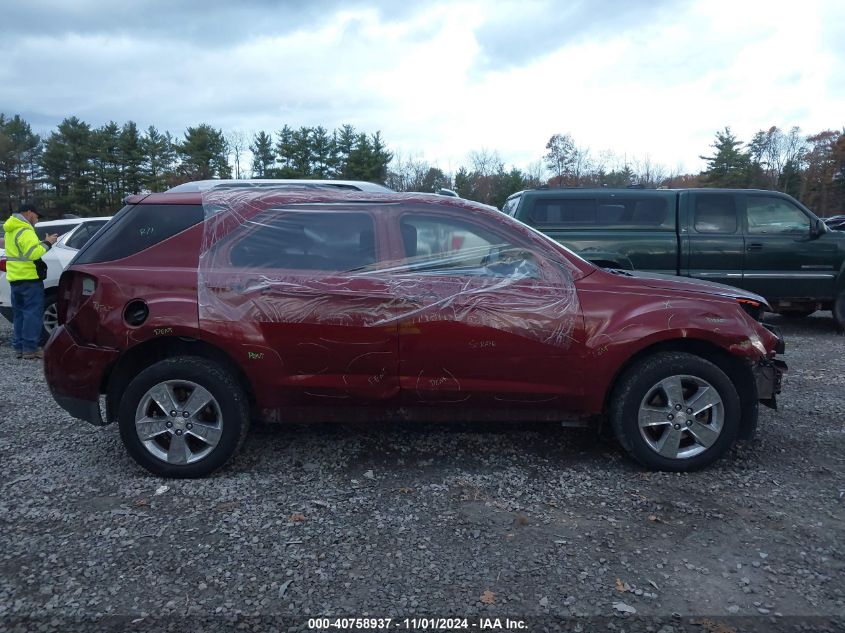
[(260, 263)]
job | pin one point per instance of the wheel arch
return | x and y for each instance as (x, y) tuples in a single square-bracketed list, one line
[(138, 358), (737, 369)]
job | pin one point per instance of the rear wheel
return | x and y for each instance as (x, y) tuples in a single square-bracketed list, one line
[(183, 417), (50, 318), (675, 411)]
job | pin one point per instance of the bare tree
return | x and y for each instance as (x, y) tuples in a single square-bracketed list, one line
[(535, 174), (486, 162), (649, 173), (582, 166), (407, 174), (238, 143), (560, 156)]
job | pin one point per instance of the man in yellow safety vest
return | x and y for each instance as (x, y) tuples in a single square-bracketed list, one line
[(23, 248)]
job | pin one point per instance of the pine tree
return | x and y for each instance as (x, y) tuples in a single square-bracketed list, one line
[(159, 158), (107, 166), (321, 147), (346, 139), (204, 154), (20, 151), (729, 166), (263, 155), (303, 154), (285, 152), (131, 157), (68, 165)]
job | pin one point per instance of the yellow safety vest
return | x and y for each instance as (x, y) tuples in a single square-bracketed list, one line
[(22, 249)]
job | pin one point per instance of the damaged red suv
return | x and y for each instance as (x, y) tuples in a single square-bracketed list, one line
[(194, 313)]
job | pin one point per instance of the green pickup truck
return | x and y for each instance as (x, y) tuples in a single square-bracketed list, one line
[(762, 241)]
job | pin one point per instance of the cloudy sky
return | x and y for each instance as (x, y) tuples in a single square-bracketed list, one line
[(439, 79)]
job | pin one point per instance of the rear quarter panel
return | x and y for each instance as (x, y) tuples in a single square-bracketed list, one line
[(169, 289)]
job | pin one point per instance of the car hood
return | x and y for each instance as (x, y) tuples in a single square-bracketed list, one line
[(689, 284)]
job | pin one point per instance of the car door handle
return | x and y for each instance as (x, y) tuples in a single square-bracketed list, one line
[(754, 247)]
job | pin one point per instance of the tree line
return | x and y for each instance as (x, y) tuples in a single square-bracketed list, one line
[(86, 170)]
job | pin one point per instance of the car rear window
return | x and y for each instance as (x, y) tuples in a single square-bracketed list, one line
[(136, 228)]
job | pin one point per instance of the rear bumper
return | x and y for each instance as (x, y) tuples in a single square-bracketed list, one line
[(74, 373), (80, 409)]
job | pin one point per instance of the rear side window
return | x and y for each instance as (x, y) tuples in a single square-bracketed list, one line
[(136, 228), (605, 213), (715, 213), (556, 211), (305, 240)]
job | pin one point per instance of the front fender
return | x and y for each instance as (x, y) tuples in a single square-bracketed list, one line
[(620, 325)]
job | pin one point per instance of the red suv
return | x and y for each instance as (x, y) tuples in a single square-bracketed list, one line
[(194, 313)]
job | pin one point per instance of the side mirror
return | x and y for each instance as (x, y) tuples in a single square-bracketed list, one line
[(817, 228)]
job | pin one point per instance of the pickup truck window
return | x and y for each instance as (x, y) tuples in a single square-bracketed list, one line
[(511, 205), (767, 214), (606, 213), (715, 213)]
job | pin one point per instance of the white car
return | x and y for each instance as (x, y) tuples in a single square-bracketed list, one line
[(73, 235)]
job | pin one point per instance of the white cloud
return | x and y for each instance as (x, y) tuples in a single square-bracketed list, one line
[(660, 83)]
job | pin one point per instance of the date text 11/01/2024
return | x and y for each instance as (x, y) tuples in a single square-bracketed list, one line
[(418, 624)]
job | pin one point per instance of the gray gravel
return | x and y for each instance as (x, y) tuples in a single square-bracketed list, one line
[(412, 520)]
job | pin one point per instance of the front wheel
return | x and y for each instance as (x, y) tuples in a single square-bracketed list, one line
[(839, 311), (675, 411), (183, 417)]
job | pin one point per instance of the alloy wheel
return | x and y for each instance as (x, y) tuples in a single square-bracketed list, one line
[(681, 416), (51, 317), (178, 421)]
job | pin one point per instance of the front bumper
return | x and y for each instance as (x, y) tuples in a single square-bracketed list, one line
[(74, 373), (768, 374)]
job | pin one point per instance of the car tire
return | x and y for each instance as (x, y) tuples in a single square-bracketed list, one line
[(650, 427), (183, 446), (839, 311), (796, 314), (50, 317)]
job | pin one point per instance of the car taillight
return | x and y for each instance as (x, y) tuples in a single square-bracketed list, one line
[(75, 289), (2, 264)]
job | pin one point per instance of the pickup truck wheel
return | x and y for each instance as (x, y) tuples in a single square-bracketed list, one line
[(796, 314), (183, 417), (675, 411), (839, 311)]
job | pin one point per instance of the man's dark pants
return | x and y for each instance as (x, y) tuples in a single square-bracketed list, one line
[(28, 308)]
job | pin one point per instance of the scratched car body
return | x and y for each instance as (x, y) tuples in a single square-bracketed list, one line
[(194, 313)]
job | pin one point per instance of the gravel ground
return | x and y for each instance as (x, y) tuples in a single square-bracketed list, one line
[(519, 521)]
